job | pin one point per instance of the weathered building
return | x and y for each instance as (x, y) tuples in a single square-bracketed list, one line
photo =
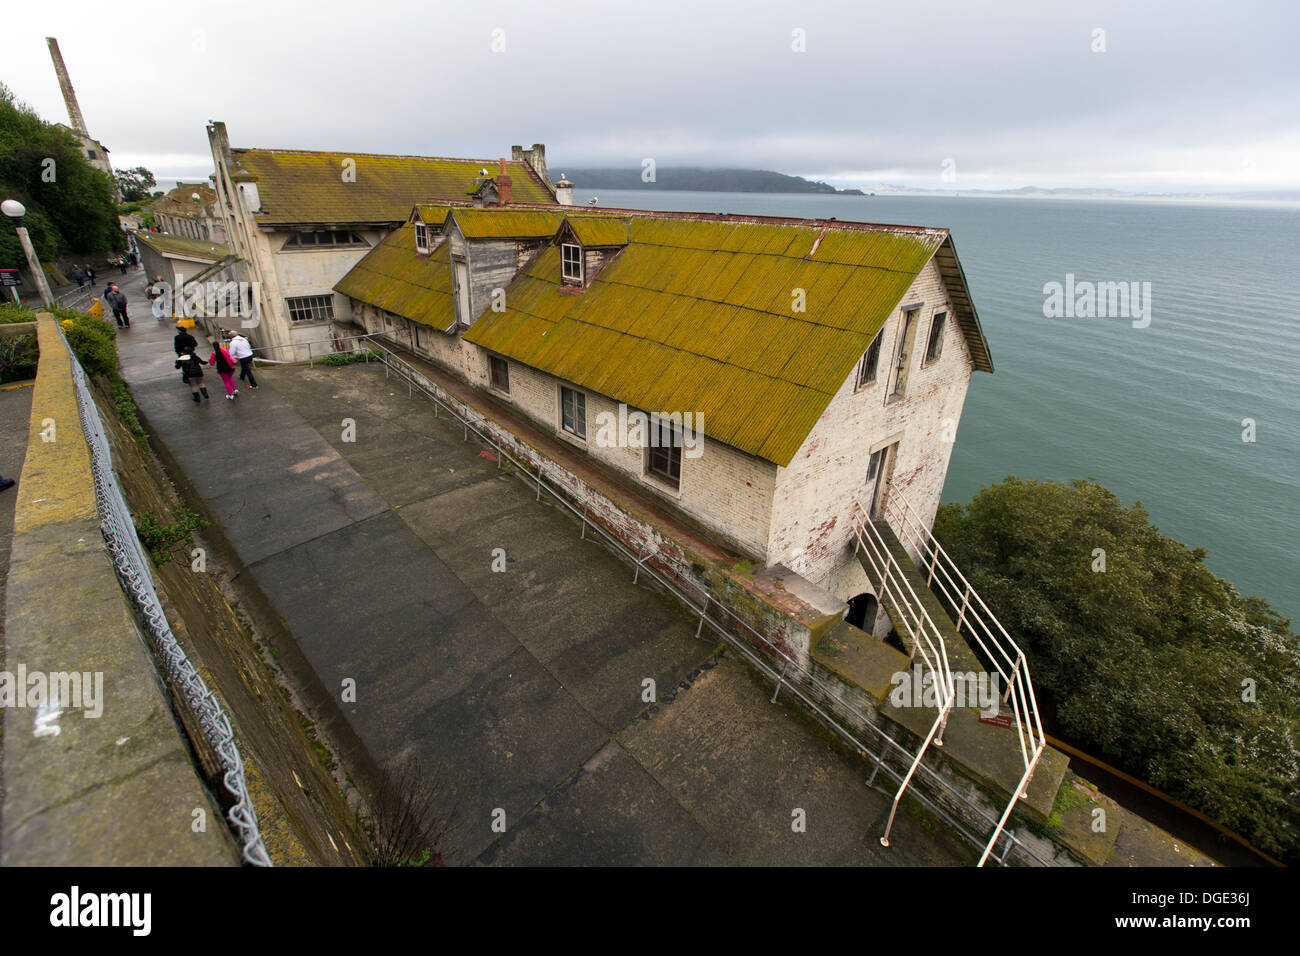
[(190, 211), (298, 220), (786, 369)]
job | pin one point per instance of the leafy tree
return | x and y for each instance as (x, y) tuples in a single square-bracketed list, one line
[(70, 203), (135, 184), (1148, 660)]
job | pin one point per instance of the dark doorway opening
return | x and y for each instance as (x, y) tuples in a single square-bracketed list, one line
[(862, 611)]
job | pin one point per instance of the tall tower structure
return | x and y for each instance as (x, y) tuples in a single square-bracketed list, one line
[(95, 151)]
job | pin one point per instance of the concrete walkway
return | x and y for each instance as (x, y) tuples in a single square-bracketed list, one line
[(519, 690)]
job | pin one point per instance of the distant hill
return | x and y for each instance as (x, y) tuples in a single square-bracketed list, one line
[(700, 179)]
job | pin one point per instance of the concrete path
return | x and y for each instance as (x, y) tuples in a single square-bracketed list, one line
[(372, 528)]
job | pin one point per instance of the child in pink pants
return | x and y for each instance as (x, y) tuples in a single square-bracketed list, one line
[(225, 368)]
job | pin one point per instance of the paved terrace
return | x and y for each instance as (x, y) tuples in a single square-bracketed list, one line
[(521, 690)]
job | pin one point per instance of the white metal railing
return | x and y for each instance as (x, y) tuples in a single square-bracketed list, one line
[(977, 623), (925, 638), (824, 701)]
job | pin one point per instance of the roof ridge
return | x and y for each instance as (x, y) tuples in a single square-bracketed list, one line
[(847, 225), (345, 152)]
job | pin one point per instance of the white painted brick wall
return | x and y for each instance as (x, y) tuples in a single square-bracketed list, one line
[(811, 526)]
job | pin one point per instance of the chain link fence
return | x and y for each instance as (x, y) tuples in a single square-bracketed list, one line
[(135, 571)]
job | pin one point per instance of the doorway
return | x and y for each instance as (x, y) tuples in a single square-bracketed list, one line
[(862, 611), (879, 471)]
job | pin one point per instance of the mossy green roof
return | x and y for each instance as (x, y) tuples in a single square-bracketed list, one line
[(598, 232), (393, 277), (692, 313), (506, 223), (299, 186), (177, 246), (697, 315)]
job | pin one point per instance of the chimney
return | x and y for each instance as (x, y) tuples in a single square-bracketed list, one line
[(517, 154), (504, 185), (69, 94), (537, 160), (564, 191)]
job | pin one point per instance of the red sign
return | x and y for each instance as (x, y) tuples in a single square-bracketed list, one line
[(997, 720)]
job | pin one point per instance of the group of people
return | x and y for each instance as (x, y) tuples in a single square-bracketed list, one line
[(86, 274), (239, 355)]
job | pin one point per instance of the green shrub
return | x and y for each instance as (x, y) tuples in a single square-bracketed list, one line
[(93, 341), (349, 358), (18, 358), (1154, 663), (127, 410), (159, 539)]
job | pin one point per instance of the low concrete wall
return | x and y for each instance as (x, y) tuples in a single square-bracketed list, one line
[(107, 779)]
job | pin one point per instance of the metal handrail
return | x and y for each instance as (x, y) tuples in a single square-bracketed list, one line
[(977, 621), (926, 639), (726, 630)]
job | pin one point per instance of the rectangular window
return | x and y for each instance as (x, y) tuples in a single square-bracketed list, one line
[(421, 237), (325, 237), (573, 412), (870, 362), (935, 346), (311, 308), (572, 262), (499, 372), (664, 458)]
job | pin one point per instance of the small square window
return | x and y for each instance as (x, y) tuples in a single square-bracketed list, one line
[(935, 346), (573, 412), (499, 373), (572, 262)]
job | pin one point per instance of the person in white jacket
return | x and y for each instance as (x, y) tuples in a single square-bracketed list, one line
[(242, 352)]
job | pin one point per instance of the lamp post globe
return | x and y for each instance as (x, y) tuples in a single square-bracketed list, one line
[(15, 211)]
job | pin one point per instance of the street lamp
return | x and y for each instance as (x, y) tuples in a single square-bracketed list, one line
[(15, 211)]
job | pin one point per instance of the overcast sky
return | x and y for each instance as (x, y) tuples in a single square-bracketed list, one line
[(1186, 96)]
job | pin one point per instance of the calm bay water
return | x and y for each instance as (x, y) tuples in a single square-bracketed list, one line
[(1155, 414)]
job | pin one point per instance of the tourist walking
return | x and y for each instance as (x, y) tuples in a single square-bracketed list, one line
[(117, 302), (90, 273), (183, 341), (225, 368), (242, 353), (121, 264), (191, 367), (79, 276)]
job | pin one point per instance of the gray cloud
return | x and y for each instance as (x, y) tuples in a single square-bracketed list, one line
[(1195, 95)]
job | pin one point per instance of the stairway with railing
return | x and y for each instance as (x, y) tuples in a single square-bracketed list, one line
[(974, 622)]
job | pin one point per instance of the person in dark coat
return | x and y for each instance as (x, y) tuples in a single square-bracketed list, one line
[(117, 302), (79, 276), (184, 342), (90, 274), (191, 367)]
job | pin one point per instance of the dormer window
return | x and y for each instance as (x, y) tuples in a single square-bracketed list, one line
[(572, 258), (421, 237)]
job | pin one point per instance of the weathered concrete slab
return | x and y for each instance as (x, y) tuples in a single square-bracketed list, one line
[(271, 482), (743, 766), (609, 813), (860, 659)]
